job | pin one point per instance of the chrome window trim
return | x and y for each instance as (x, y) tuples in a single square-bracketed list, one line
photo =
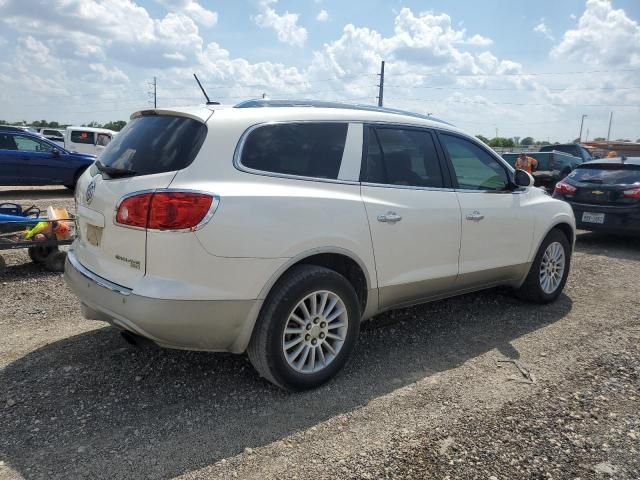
[(208, 216), (407, 187), (103, 282)]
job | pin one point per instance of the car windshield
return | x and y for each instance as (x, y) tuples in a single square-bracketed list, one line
[(607, 174), (155, 144)]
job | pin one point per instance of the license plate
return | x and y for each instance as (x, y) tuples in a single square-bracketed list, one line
[(588, 217), (94, 235)]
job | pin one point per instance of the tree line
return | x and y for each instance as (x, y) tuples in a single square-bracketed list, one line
[(530, 141)]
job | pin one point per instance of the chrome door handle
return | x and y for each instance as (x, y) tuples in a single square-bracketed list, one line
[(476, 216), (389, 217)]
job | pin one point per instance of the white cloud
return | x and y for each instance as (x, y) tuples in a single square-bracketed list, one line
[(192, 9), (479, 40), (285, 25), (108, 74), (322, 16), (118, 29), (573, 16), (604, 36), (543, 29)]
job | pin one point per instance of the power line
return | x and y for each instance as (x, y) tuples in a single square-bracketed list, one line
[(510, 89), (532, 74), (512, 103)]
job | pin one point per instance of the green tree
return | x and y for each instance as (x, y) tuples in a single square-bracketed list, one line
[(527, 141), (501, 142), (116, 126), (599, 139), (483, 139)]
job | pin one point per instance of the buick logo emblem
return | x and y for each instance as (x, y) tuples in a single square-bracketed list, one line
[(90, 191)]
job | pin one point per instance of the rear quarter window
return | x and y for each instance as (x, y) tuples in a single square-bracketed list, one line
[(155, 144), (300, 149)]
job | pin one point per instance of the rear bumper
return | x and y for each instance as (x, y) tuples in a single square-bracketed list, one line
[(212, 325), (616, 220)]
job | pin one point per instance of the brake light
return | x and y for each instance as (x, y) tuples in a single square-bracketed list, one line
[(565, 188), (134, 211), (633, 193), (164, 210)]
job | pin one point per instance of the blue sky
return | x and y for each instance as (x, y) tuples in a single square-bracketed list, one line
[(477, 64)]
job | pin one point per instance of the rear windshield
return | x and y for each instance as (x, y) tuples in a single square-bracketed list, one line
[(610, 174), (570, 149), (155, 144)]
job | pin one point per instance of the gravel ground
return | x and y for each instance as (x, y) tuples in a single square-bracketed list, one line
[(427, 394)]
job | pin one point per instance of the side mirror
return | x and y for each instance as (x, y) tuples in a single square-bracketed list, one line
[(55, 152), (523, 179)]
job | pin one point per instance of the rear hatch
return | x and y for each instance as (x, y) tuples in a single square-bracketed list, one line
[(611, 184), (144, 156)]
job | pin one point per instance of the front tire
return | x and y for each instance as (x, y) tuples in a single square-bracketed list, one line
[(307, 328), (549, 270)]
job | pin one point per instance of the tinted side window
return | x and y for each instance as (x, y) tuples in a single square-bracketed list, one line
[(475, 169), (78, 136), (397, 156), (7, 142), (303, 149)]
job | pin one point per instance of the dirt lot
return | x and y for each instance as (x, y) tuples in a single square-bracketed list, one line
[(425, 395)]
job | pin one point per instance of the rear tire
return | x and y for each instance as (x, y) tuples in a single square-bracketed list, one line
[(545, 281), (314, 309), (55, 261), (3, 265), (40, 254)]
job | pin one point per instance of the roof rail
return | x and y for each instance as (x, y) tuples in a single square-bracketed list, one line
[(264, 103)]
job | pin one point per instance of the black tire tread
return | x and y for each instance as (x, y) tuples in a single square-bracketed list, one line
[(530, 290), (258, 346)]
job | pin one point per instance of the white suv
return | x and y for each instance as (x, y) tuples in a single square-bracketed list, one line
[(276, 227)]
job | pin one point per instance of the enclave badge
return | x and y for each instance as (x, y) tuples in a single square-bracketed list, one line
[(90, 190)]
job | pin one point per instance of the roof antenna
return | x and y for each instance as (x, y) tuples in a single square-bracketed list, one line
[(209, 102)]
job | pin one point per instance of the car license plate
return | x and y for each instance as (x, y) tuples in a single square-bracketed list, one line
[(588, 217), (94, 235)]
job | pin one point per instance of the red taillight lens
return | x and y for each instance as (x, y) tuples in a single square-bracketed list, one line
[(177, 210), (134, 210), (564, 187), (633, 193), (164, 210)]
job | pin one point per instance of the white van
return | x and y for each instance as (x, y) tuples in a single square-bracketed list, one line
[(53, 134), (87, 139)]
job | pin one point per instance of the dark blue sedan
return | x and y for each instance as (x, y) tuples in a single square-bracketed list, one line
[(29, 159)]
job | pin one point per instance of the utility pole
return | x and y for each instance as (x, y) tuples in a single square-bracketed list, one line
[(609, 132), (381, 85), (587, 137), (496, 132), (155, 93), (581, 125)]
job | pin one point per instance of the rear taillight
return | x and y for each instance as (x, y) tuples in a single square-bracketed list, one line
[(134, 210), (164, 210), (565, 188), (633, 193)]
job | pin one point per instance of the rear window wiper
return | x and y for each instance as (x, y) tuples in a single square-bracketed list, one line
[(114, 172)]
